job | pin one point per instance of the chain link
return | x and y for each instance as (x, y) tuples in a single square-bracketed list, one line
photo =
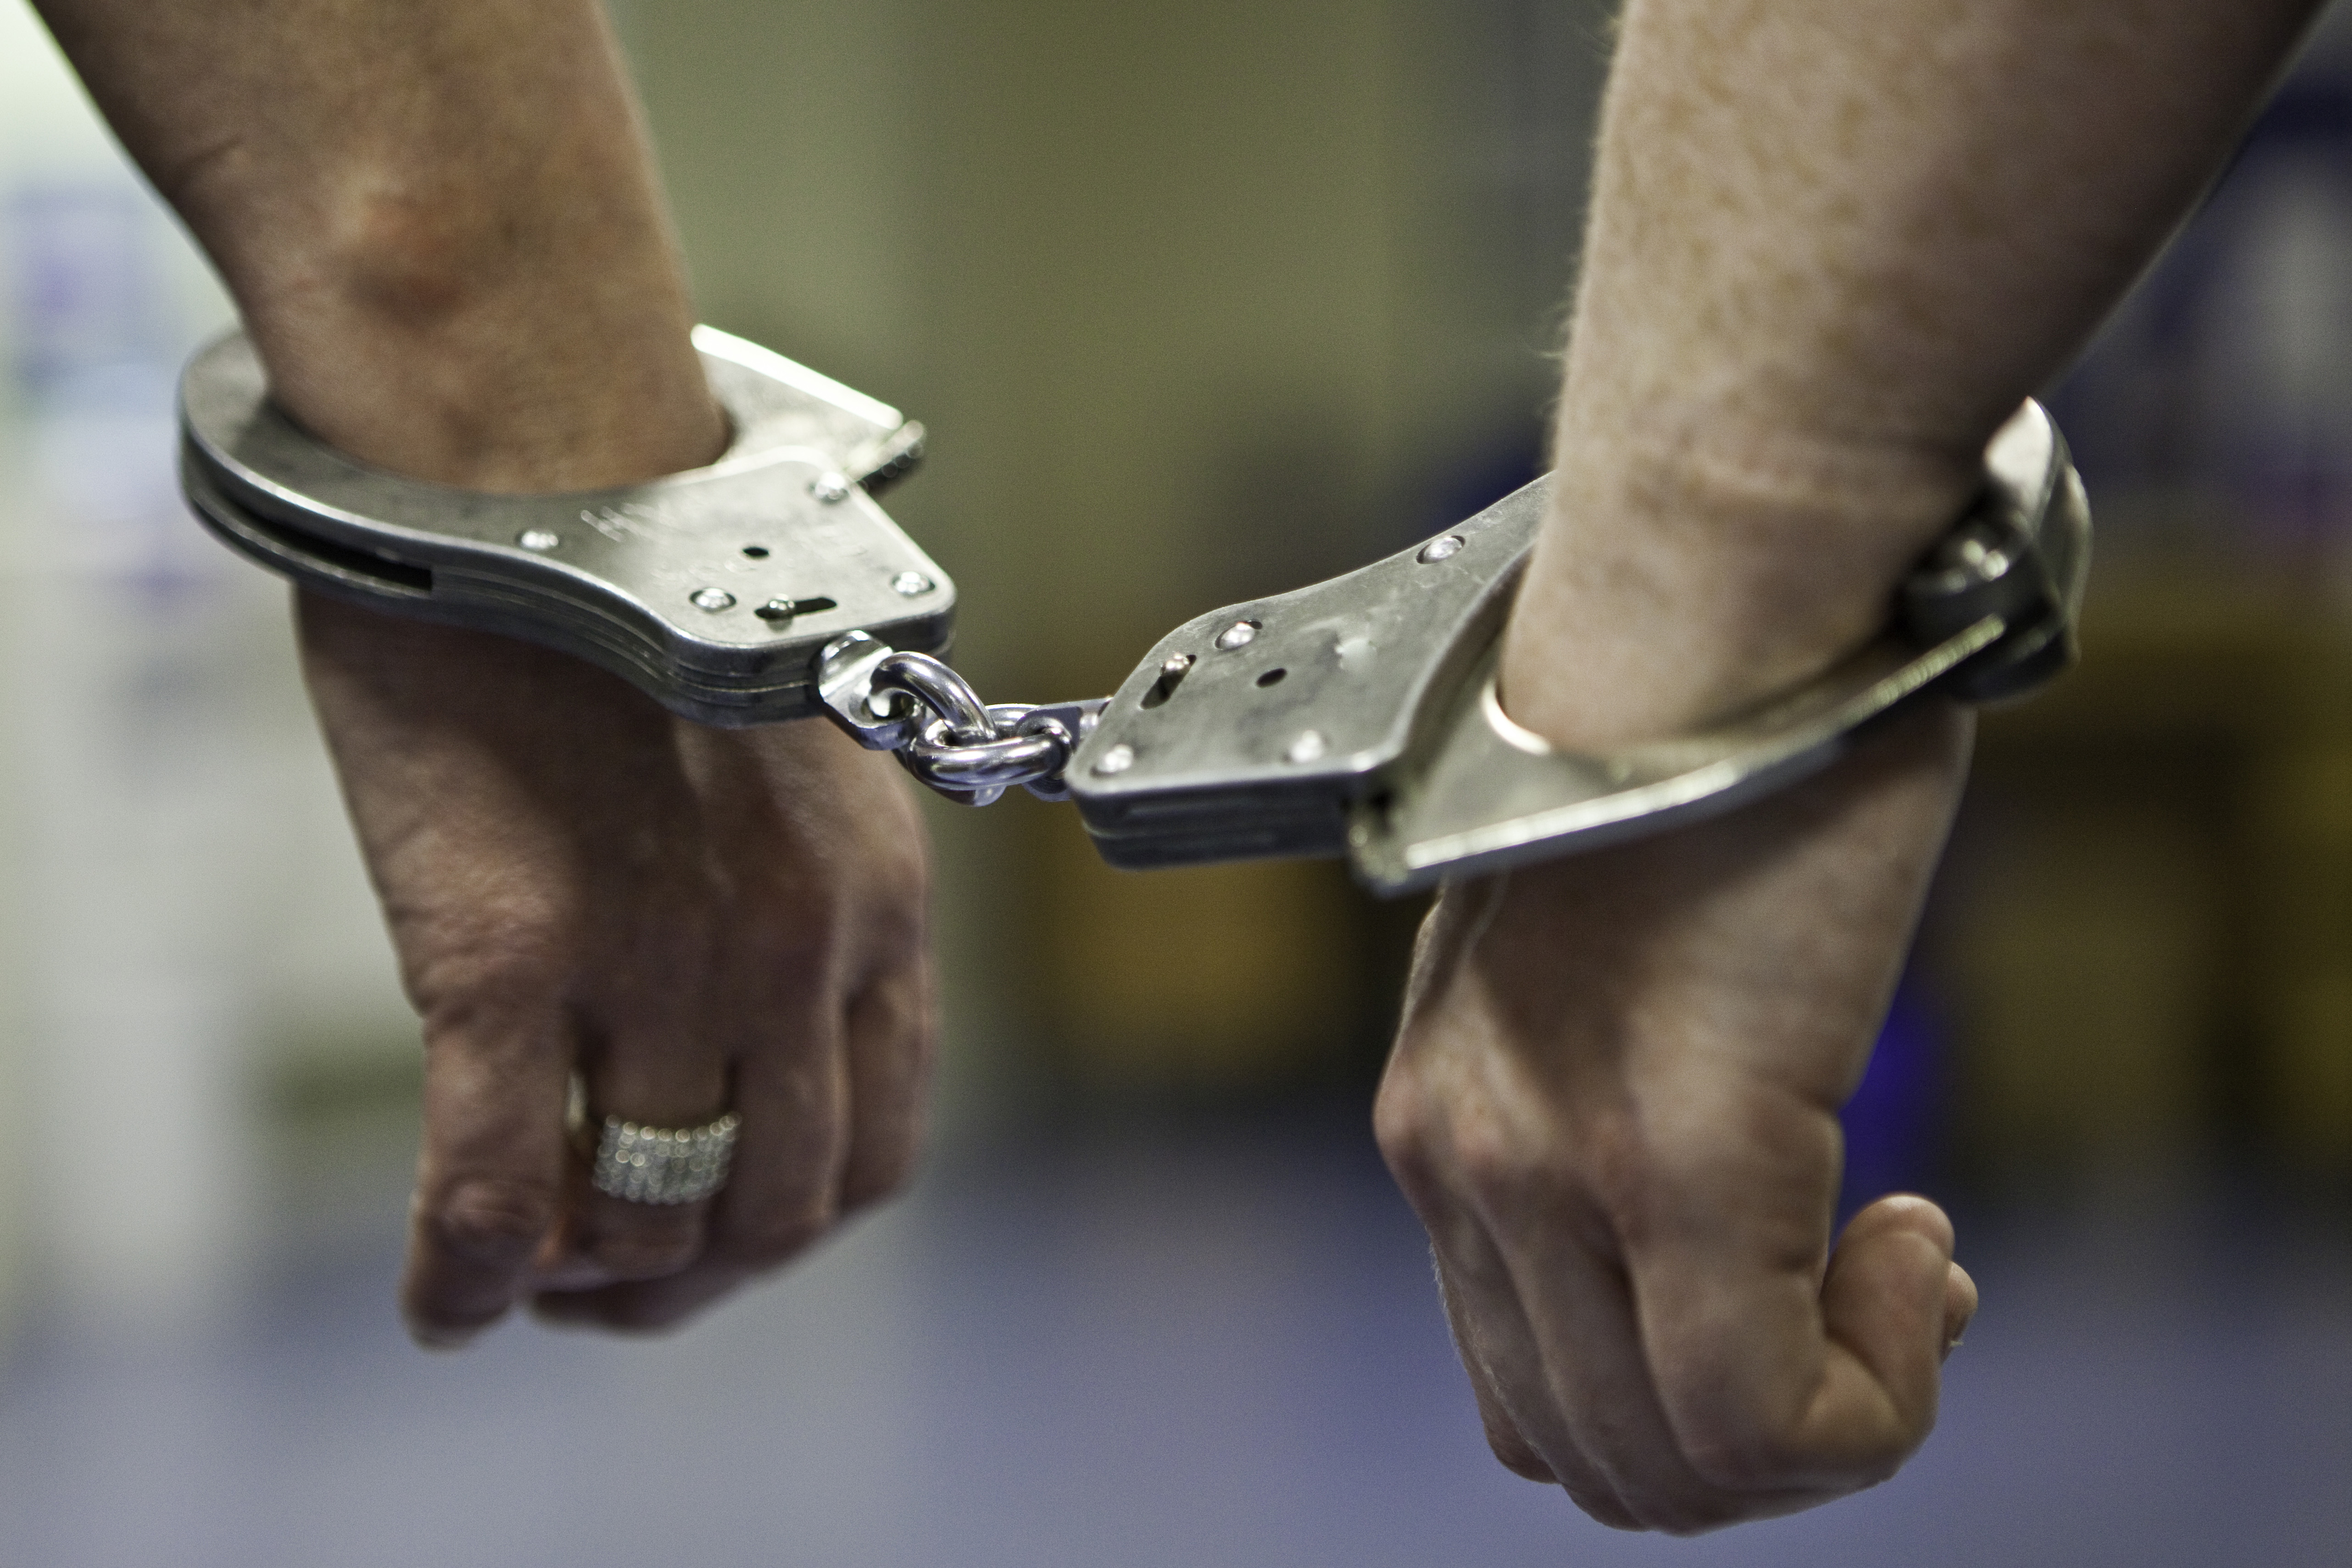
[(915, 706), (969, 750)]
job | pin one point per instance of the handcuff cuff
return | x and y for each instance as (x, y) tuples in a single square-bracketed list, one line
[(1357, 717)]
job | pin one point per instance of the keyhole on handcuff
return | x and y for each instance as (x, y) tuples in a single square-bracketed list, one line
[(1273, 677), (785, 609), (756, 552), (1171, 675)]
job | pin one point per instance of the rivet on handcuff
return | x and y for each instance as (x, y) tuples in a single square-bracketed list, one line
[(1357, 717)]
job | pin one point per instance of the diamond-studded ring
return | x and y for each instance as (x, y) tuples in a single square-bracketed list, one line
[(663, 1165)]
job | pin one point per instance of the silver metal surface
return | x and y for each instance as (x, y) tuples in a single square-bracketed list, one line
[(664, 1165), (1358, 716), (1989, 613), (1367, 661), (630, 577), (1495, 795), (969, 750), (1362, 717), (845, 669), (948, 694), (993, 764)]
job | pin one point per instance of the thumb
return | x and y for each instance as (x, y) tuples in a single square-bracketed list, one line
[(1892, 1303)]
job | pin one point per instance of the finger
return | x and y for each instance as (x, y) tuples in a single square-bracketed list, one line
[(890, 1030), (659, 1070), (782, 1191), (1545, 1324), (491, 1172), (1960, 1307), (1887, 1303), (1426, 1150), (1527, 1424), (1587, 1337), (1773, 1380), (889, 1033), (1475, 1345)]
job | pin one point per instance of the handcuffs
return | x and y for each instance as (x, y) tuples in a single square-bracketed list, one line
[(1356, 717)]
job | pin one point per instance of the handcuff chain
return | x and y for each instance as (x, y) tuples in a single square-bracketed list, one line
[(968, 750)]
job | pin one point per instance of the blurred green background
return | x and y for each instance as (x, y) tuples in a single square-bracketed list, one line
[(1201, 303)]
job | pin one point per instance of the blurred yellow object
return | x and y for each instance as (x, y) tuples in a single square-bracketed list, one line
[(2147, 927), (1214, 981)]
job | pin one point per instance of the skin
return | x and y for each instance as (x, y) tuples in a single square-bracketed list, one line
[(1830, 250), (441, 224)]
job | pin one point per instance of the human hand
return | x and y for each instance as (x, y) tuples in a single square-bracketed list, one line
[(694, 920), (1807, 293), (1613, 1103)]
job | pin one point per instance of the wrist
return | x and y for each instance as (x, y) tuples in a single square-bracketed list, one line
[(1690, 569), (444, 339)]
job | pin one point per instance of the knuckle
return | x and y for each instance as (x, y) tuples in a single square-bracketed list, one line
[(1473, 1146), (802, 935), (1493, 1166), (455, 977), (1735, 1461), (1502, 1168), (1601, 1506), (1621, 1169), (1400, 1116), (493, 1219), (1512, 1452)]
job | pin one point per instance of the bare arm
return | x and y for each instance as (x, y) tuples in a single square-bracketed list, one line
[(455, 197), (1831, 248), (441, 223)]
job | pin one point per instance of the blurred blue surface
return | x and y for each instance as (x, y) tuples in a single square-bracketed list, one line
[(1165, 1351), (1894, 1124)]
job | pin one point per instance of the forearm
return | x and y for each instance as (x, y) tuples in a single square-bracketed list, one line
[(1832, 245), (441, 223), (1830, 248), (438, 218)]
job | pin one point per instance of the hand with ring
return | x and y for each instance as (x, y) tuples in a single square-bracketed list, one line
[(444, 231), (719, 932)]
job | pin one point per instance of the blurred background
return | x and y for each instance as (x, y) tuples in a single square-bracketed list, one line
[(1199, 302)]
